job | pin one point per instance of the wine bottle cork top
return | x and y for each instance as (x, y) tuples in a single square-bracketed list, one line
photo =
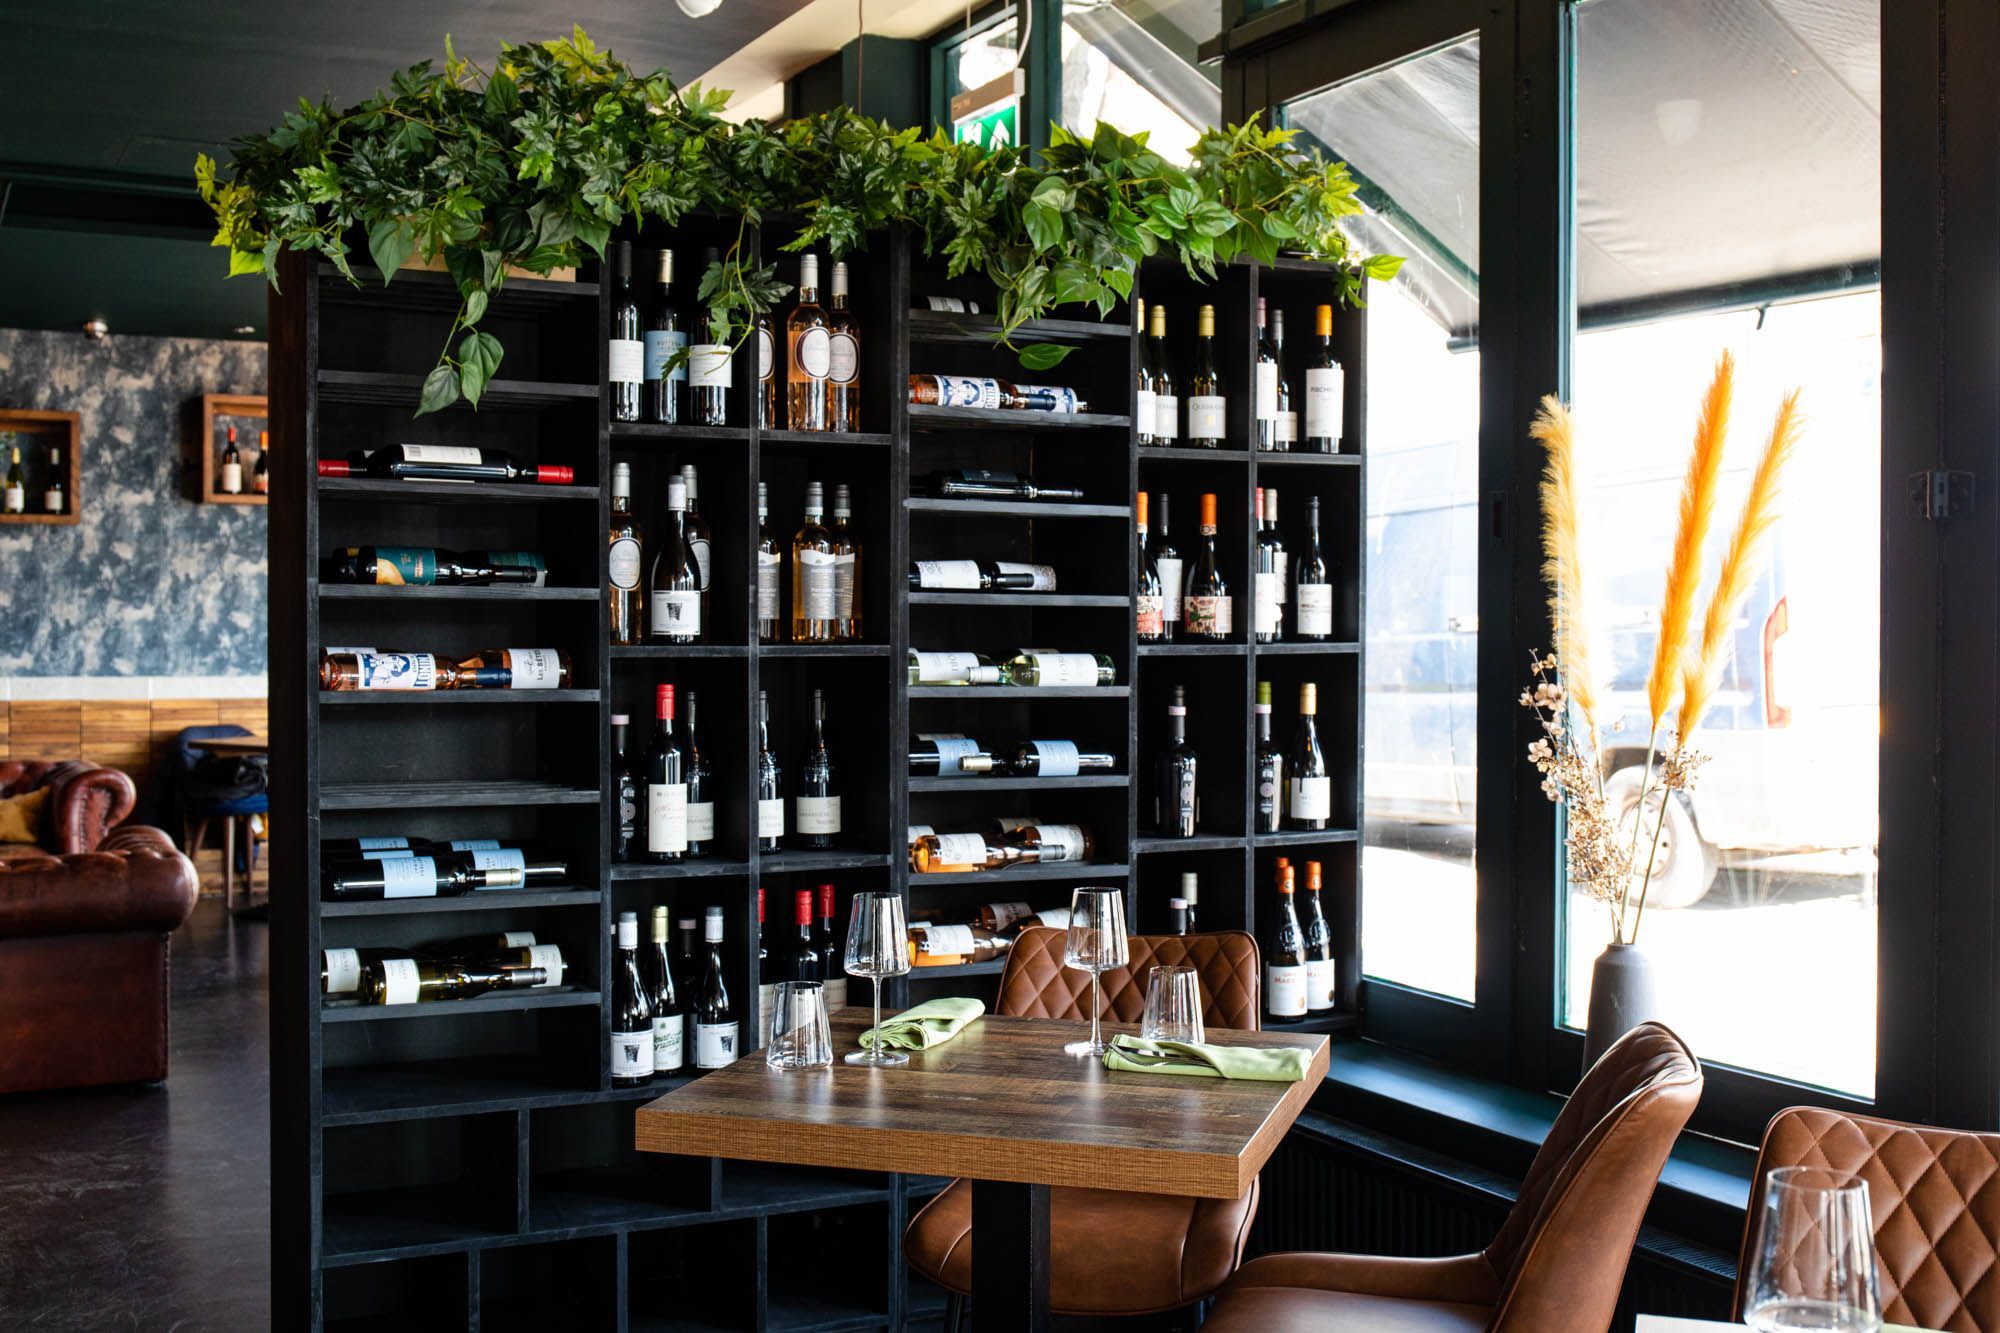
[(1263, 696), (1308, 698), (666, 269), (1312, 875), (1159, 318), (1285, 884), (1139, 509), (1323, 321), (1208, 509), (1204, 321)]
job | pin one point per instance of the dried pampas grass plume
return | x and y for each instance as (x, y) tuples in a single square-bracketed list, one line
[(1562, 564), (1697, 511)]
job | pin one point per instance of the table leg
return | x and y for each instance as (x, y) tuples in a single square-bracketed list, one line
[(1010, 1257)]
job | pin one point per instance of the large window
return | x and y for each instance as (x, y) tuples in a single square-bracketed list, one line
[(1132, 64)]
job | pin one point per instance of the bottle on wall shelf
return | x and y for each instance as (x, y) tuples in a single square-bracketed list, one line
[(664, 341), (711, 368), (767, 980), (1270, 770), (439, 875), (767, 374), (1177, 922), (715, 1031), (489, 669), (1165, 559), (1267, 623), (1034, 669), (1326, 390), (675, 598), (1308, 785), (942, 945), (949, 756), (16, 490), (1208, 416), (815, 574), (445, 462), (700, 791), (808, 354), (626, 564), (1288, 403), (424, 566), (1321, 996), (818, 801), (803, 960), (340, 970), (1142, 391), (974, 483), (769, 561), (1207, 609), (663, 998), (626, 783), (1191, 895), (1265, 398), (846, 567), (770, 782), (412, 980), (625, 360), (666, 786), (1176, 802), (967, 576), (1056, 759), (987, 393), (1312, 589), (632, 1039), (229, 480), (843, 374), (260, 476), (951, 668), (1166, 405), (1285, 979), (698, 543), (826, 940), (1148, 601), (687, 960)]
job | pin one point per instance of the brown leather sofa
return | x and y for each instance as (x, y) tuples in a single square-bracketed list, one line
[(1933, 1194), (83, 957), (88, 801)]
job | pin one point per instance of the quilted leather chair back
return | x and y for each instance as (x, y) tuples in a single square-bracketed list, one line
[(1934, 1195), (1035, 984), (1562, 1252), (22, 775)]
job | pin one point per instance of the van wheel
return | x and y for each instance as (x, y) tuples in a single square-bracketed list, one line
[(1685, 867)]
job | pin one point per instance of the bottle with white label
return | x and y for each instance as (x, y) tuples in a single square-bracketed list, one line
[(1034, 669), (1057, 759), (769, 561), (1177, 791), (815, 574), (1288, 403), (715, 1029), (1142, 392), (428, 876), (1208, 424), (513, 669), (625, 361), (934, 853), (1167, 565), (623, 588), (1312, 590), (846, 567), (1041, 578), (1326, 390), (1267, 619), (825, 940), (16, 493), (952, 668), (1054, 842), (770, 783), (710, 366), (632, 1041), (696, 528), (1320, 978), (1148, 599), (701, 791), (948, 756), (340, 969), (971, 576), (1191, 894), (818, 801), (1166, 403), (663, 997), (938, 943), (1265, 403), (413, 980), (808, 354), (843, 374), (1308, 785), (666, 786), (664, 341), (1285, 973), (675, 601), (1207, 608), (229, 481)]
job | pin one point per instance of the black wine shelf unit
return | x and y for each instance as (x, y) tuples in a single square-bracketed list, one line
[(469, 1163)]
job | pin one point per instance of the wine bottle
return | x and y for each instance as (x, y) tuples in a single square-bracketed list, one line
[(803, 961), (767, 980), (1320, 996), (990, 394), (818, 801), (625, 778), (808, 353), (1267, 617), (1142, 392), (1166, 406), (1054, 842), (825, 940), (666, 786), (16, 493), (699, 548), (1312, 594), (843, 373), (1207, 408), (1308, 787), (966, 576), (664, 341), (424, 566), (412, 980), (1270, 767), (768, 561), (1032, 669), (1168, 568), (633, 1044), (1288, 403), (55, 497), (1177, 808), (933, 853), (714, 1016), (952, 668), (370, 670), (846, 567), (997, 916), (675, 601), (340, 970), (352, 847), (627, 597), (1191, 895), (513, 669), (701, 792), (949, 756), (1056, 759), (1266, 397), (963, 944), (1285, 982), (955, 305), (710, 366), (1148, 603), (1177, 921), (446, 462), (815, 574), (975, 483), (770, 782), (1207, 608), (625, 360), (687, 961), (1326, 390), (229, 481), (663, 998), (767, 374), (513, 951)]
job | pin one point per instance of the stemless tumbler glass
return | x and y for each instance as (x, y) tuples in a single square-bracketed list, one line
[(1814, 1262), (799, 1037), (1173, 1004), (1096, 944), (877, 947)]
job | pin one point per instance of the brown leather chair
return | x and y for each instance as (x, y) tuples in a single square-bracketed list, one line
[(86, 802), (1559, 1259), (1111, 1252), (1934, 1195), (83, 961)]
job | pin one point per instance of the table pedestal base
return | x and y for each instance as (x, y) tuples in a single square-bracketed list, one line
[(1010, 1257)]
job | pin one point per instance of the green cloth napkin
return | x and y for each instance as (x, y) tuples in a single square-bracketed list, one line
[(932, 1023), (1145, 1055)]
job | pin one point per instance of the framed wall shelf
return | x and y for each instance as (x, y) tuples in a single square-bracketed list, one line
[(50, 445), (211, 420)]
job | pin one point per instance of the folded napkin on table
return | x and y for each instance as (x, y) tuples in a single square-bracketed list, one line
[(1146, 1055), (923, 1026)]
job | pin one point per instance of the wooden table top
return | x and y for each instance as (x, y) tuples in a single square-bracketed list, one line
[(240, 745), (1001, 1101)]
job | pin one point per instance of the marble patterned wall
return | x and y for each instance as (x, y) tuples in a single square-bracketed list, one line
[(149, 583)]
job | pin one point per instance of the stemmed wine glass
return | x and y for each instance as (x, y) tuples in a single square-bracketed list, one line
[(877, 947), (1814, 1262), (1096, 944)]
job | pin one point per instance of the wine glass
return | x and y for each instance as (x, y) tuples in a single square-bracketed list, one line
[(1096, 944), (1813, 1266), (1173, 1004), (877, 947)]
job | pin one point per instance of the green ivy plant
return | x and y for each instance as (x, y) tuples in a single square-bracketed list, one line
[(538, 160)]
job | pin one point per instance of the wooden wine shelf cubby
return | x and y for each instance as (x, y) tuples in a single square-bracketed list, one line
[(470, 1164)]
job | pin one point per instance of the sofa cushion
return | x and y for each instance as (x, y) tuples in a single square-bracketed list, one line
[(23, 817)]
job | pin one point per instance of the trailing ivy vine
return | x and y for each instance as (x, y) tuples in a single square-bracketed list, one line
[(536, 161)]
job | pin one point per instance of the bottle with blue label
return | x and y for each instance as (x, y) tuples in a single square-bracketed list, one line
[(665, 340)]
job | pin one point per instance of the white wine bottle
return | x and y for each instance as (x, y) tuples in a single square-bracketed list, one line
[(1033, 669), (631, 1015), (952, 668), (1207, 405), (1308, 785), (715, 1027)]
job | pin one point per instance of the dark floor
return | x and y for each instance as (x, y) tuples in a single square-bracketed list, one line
[(149, 1207)]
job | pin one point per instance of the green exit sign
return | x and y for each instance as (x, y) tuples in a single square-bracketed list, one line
[(998, 128)]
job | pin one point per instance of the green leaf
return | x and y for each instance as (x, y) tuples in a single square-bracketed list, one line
[(440, 390), (245, 261), (389, 244), (1044, 356), (502, 96), (1045, 225), (478, 357), (1382, 267), (475, 310)]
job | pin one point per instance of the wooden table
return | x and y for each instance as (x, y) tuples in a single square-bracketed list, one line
[(241, 747), (1002, 1105)]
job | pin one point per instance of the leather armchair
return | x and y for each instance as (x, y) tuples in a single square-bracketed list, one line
[(83, 961), (1934, 1195), (1111, 1252), (1560, 1257), (87, 800)]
